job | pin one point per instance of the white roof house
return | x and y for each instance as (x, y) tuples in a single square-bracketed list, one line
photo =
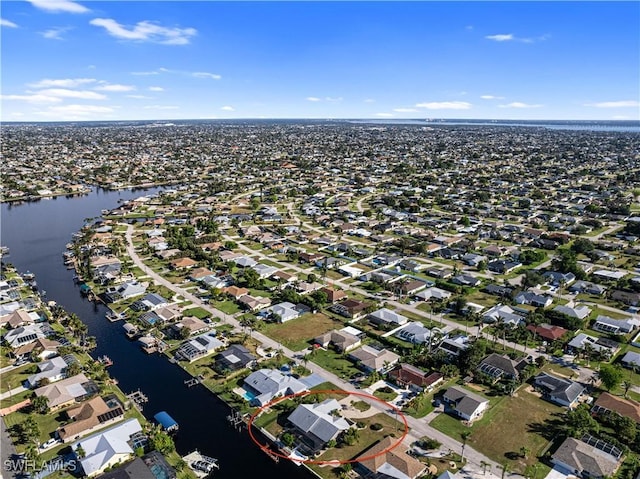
[(108, 447), (317, 422), (269, 383), (386, 316)]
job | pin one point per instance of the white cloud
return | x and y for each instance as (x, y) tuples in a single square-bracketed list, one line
[(369, 100), (213, 76), (59, 6), (62, 83), (36, 98), (518, 104), (313, 98), (616, 104), (55, 33), (501, 37), (491, 97), (228, 108), (154, 72), (161, 107), (384, 115), (65, 93), (139, 97), (156, 88), (115, 87), (6, 23), (510, 37), (333, 99), (445, 105), (405, 110), (146, 31)]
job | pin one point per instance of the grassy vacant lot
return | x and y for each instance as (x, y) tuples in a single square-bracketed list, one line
[(14, 378), (297, 333), (197, 312), (508, 425), (334, 362)]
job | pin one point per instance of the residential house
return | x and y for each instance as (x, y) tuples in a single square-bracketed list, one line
[(416, 379), (182, 263), (67, 391), (503, 314), (43, 348), (584, 460), (283, 312), (501, 367), (417, 333), (561, 391), (464, 404), (466, 280), (149, 302), (578, 312), (267, 384), (371, 359), (89, 416), (537, 300), (388, 459), (126, 290), (548, 332), (341, 340), (264, 270), (194, 325), (631, 360), (433, 293), (254, 303), (235, 292), (244, 262), (27, 334), (496, 290), (316, 424), (603, 346), (386, 317), (610, 404), (107, 448), (18, 318), (440, 273), (502, 266), (51, 370), (557, 278), (198, 347), (410, 287), (150, 466), (350, 308), (233, 358), (626, 297), (333, 294), (609, 325), (454, 346)]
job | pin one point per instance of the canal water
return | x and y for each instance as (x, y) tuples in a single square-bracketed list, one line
[(36, 234)]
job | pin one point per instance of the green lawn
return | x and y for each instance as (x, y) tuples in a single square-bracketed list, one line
[(197, 312), (509, 424), (334, 362), (385, 395), (297, 333), (14, 378), (228, 307)]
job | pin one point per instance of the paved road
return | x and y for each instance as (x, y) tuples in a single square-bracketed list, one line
[(17, 390), (419, 427), (7, 452)]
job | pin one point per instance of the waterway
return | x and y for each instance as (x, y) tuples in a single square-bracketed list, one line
[(36, 234)]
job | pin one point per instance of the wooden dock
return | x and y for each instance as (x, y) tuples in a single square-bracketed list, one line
[(201, 465), (138, 398)]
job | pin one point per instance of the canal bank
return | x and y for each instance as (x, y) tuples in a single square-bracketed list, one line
[(36, 234)]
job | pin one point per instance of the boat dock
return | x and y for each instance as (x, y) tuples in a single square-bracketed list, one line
[(200, 464), (167, 422), (106, 360), (138, 398)]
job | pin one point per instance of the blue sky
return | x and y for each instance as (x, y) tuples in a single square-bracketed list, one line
[(124, 60)]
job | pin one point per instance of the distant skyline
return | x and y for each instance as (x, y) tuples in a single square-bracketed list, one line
[(151, 60)]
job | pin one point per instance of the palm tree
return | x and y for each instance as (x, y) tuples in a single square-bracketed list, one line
[(484, 465), (626, 385), (506, 468), (464, 435)]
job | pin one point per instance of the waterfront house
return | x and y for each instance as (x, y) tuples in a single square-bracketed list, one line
[(267, 384), (561, 391), (194, 325), (149, 302), (198, 347), (89, 416), (107, 448), (386, 317), (388, 459), (52, 370), (464, 404), (27, 334), (126, 290), (67, 391), (406, 375), (371, 359), (233, 358), (586, 460), (316, 424), (149, 466)]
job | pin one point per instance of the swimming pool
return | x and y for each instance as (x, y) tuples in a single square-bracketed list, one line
[(249, 396)]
